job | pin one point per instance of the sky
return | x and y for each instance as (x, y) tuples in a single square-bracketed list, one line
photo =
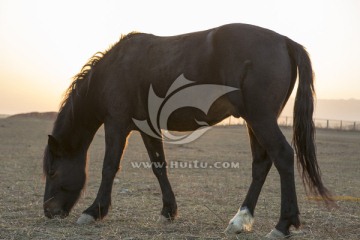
[(43, 44)]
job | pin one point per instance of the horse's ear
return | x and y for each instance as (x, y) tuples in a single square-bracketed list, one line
[(53, 144)]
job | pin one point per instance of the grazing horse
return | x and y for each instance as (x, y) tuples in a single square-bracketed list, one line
[(113, 89)]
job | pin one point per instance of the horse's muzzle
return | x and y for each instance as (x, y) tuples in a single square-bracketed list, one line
[(51, 213)]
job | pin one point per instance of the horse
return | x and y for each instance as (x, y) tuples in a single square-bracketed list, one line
[(120, 85)]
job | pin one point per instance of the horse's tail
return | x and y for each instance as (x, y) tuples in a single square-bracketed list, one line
[(303, 126)]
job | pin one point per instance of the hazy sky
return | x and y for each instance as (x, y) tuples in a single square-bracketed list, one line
[(44, 43)]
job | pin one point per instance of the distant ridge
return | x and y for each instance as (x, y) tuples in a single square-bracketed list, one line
[(36, 115)]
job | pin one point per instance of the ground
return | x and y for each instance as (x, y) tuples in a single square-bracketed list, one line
[(207, 198)]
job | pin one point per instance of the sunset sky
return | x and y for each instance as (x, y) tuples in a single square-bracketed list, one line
[(44, 43)]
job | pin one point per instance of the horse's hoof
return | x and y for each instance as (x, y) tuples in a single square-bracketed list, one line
[(275, 234), (85, 219), (241, 222), (163, 219)]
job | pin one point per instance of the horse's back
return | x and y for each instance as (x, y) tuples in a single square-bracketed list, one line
[(213, 56)]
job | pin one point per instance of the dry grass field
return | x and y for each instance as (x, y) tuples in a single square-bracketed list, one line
[(207, 198)]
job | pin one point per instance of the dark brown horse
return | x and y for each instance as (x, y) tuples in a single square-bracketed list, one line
[(116, 88)]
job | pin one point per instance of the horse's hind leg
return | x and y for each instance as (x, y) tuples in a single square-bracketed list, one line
[(261, 165), (116, 133), (156, 153), (281, 154)]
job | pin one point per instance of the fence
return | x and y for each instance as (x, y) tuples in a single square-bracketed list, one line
[(325, 124), (319, 123)]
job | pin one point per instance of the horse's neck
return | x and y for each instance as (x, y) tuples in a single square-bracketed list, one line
[(75, 129)]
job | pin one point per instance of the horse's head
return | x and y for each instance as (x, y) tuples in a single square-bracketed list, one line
[(65, 173)]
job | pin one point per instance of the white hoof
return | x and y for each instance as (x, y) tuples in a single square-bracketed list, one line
[(163, 219), (275, 234), (242, 221), (85, 219)]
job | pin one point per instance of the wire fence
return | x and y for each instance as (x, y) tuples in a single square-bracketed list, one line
[(287, 121)]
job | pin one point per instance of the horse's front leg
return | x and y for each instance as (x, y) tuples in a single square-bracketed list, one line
[(156, 153), (115, 139)]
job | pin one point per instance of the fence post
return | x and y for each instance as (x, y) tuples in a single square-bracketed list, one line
[(354, 126), (340, 124), (286, 121), (327, 124)]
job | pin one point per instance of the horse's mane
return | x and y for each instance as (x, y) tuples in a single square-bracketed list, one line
[(81, 81)]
